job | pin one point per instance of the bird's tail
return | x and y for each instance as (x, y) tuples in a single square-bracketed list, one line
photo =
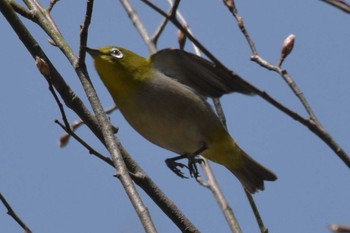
[(250, 173)]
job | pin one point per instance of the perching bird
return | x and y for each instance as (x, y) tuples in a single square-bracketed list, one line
[(163, 98)]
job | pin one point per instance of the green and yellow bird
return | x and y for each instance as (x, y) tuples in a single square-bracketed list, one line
[(163, 97)]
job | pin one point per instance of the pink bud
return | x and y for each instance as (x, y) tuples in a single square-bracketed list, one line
[(287, 48), (288, 45)]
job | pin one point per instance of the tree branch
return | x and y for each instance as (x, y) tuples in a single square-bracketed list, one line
[(73, 102), (84, 31), (312, 123), (135, 19), (340, 4), (70, 98), (213, 186), (47, 23), (13, 214)]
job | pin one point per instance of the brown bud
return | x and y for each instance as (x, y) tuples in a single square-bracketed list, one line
[(42, 66), (181, 38), (230, 4), (339, 228), (64, 139)]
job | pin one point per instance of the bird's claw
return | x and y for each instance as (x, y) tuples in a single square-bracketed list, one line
[(192, 166), (175, 167)]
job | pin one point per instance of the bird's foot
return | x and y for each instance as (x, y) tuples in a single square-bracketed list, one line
[(192, 166), (192, 163), (176, 166)]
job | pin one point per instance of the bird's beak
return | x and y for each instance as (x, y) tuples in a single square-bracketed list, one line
[(93, 52)]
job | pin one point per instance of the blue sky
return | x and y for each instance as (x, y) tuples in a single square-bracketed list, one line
[(67, 190)]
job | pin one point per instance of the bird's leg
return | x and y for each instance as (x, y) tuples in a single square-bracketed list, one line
[(192, 160)]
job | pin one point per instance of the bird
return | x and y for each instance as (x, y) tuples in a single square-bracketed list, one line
[(164, 98)]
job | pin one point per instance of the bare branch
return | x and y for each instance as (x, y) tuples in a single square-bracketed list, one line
[(84, 31), (172, 13), (13, 214), (69, 97), (213, 186), (183, 29), (64, 139), (340, 4), (232, 8), (313, 124), (45, 71), (219, 110), (46, 22), (257, 215), (135, 19), (52, 4)]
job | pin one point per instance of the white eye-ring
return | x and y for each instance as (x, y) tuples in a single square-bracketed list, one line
[(116, 53)]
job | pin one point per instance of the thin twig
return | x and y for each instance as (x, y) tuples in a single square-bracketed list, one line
[(70, 98), (13, 214), (84, 31), (159, 31), (64, 139), (213, 186), (228, 212), (182, 28), (313, 124), (135, 19), (172, 13), (219, 110), (52, 4), (84, 144), (340, 4), (291, 83), (255, 57), (66, 127), (255, 209), (232, 8)]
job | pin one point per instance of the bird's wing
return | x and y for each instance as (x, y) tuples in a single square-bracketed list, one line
[(198, 73)]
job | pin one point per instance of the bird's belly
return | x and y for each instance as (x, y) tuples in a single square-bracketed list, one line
[(180, 123), (181, 136)]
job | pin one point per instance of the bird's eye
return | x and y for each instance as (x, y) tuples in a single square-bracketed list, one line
[(116, 53)]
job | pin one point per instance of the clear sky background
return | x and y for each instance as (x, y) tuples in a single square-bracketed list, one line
[(67, 190)]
